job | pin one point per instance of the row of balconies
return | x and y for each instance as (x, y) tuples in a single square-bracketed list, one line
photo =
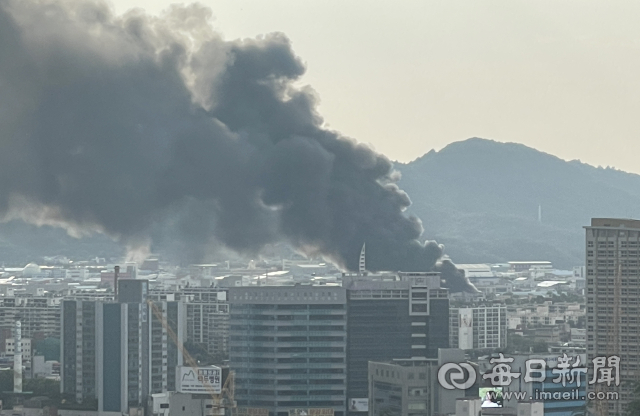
[(291, 396), (285, 359), (272, 313), (257, 327), (282, 344), (279, 367), (299, 385), (333, 331), (298, 351), (335, 373)]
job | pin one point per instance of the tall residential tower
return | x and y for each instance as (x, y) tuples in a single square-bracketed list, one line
[(613, 301)]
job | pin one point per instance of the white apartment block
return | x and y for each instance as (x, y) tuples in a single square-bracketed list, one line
[(10, 348), (478, 327)]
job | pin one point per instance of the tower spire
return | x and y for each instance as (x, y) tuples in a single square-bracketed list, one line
[(362, 268)]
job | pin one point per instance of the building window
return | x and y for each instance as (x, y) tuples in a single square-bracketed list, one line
[(420, 307)]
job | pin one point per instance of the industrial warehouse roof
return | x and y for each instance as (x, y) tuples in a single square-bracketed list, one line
[(551, 283)]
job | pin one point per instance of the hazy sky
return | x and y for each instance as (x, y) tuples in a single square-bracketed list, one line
[(561, 76)]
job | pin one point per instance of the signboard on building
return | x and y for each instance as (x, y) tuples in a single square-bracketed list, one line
[(359, 405), (201, 380), (465, 331)]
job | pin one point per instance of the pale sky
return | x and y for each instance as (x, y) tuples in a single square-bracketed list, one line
[(562, 76)]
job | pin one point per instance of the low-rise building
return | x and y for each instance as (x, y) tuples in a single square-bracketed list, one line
[(410, 387)]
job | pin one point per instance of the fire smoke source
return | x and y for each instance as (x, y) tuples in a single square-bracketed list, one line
[(203, 141)]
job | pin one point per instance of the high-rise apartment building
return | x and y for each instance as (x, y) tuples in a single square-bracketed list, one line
[(207, 311), (478, 327), (613, 300), (39, 315), (288, 347), (401, 317), (117, 353)]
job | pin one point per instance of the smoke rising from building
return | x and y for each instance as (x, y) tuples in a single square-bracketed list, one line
[(153, 129)]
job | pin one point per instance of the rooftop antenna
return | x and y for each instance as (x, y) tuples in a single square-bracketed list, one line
[(540, 213), (362, 264)]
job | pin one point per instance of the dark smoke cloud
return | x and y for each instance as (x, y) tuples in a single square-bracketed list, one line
[(154, 129)]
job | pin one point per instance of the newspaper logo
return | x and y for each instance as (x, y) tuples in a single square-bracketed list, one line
[(568, 371), (501, 374), (456, 376)]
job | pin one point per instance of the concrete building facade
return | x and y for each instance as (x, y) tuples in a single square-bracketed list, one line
[(410, 387), (399, 317), (39, 315), (402, 387), (288, 347)]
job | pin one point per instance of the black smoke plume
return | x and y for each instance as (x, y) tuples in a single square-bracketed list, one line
[(155, 128)]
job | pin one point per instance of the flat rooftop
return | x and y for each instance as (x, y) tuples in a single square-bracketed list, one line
[(615, 223)]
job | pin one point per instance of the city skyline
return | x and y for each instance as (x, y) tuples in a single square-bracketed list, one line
[(253, 249)]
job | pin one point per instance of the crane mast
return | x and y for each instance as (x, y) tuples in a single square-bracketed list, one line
[(222, 400)]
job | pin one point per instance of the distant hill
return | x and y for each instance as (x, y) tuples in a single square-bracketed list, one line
[(480, 198)]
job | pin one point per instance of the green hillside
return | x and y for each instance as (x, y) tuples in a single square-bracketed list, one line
[(480, 198)]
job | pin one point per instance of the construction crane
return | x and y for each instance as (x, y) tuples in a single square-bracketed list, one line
[(222, 400)]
